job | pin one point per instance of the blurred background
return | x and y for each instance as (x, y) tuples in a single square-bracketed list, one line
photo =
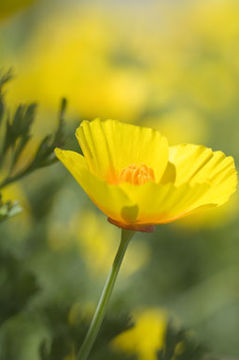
[(173, 66)]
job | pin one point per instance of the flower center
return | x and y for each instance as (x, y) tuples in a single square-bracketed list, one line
[(136, 175)]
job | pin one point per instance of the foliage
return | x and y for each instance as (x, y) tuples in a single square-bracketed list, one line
[(66, 338), (15, 137), (34, 315), (8, 209), (180, 345), (14, 298)]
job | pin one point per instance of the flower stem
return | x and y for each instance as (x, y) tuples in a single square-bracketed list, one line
[(98, 317)]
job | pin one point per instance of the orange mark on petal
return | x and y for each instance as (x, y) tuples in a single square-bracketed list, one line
[(136, 175), (133, 227)]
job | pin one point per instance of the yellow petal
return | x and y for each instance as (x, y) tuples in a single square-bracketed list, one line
[(110, 145), (163, 203), (198, 164), (110, 199), (169, 174)]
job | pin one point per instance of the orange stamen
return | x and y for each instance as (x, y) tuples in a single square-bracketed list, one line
[(136, 175)]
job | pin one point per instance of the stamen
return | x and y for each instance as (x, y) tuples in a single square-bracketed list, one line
[(137, 175)]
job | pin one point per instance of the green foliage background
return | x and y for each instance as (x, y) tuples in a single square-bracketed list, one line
[(45, 276)]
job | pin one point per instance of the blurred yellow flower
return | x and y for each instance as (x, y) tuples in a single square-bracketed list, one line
[(71, 54), (205, 35), (179, 124), (97, 243), (137, 180), (146, 337), (107, 70), (212, 217), (71, 356), (216, 22)]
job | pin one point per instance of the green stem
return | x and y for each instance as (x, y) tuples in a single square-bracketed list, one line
[(98, 317)]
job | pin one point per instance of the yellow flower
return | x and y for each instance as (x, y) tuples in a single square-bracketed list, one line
[(137, 180), (146, 337), (84, 38)]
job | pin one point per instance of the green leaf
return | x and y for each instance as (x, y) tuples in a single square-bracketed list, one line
[(181, 345), (5, 78), (17, 286), (21, 336), (8, 209), (66, 338), (16, 134), (18, 129)]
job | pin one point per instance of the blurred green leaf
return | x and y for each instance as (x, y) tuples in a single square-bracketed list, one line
[(5, 78), (112, 326), (19, 129), (8, 209), (66, 338), (45, 153), (181, 345), (21, 336), (17, 286), (16, 134)]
